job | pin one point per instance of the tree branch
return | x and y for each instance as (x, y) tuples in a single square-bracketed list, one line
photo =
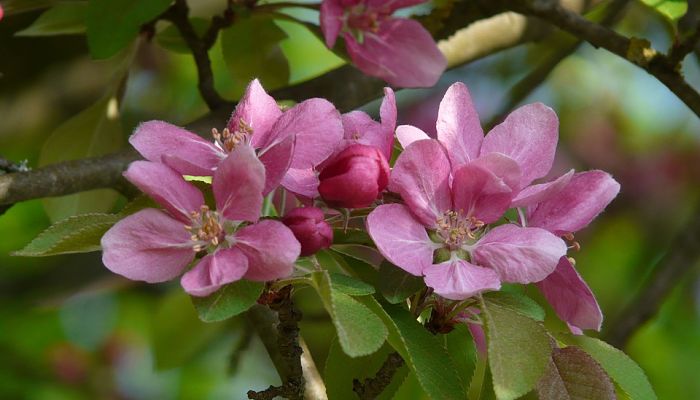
[(370, 388)]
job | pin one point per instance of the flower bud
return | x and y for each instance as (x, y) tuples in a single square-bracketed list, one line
[(310, 229), (355, 177)]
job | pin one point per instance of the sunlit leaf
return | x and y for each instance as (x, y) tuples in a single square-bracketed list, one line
[(671, 9), (228, 301), (350, 285), (61, 19)]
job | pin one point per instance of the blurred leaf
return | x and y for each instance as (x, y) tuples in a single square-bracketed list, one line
[(251, 50), (349, 285), (671, 9), (76, 234), (351, 236), (622, 369), (517, 302), (228, 301), (61, 19), (113, 24), (518, 349), (137, 204), (573, 374), (396, 284), (360, 331), (177, 332), (170, 38), (19, 6), (95, 131), (359, 252)]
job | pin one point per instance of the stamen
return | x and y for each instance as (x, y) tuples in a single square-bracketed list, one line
[(206, 229), (454, 228), (228, 140)]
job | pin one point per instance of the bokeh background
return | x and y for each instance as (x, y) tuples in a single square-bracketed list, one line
[(69, 329)]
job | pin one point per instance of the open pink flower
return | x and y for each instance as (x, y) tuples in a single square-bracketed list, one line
[(155, 246), (298, 138), (398, 50), (452, 207)]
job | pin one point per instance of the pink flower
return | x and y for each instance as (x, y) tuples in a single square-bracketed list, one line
[(398, 50), (452, 207), (298, 138), (155, 246), (310, 228)]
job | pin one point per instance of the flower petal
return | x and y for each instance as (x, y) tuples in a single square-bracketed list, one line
[(408, 134), (401, 238), (401, 52), (478, 193), (421, 176), (503, 167), (258, 110), (276, 159), (238, 184), (571, 298), (167, 187), (147, 246), (181, 149), (458, 279), (529, 136), (215, 270), (458, 126), (331, 20), (361, 128), (271, 249), (575, 206), (534, 194), (519, 255), (303, 182)]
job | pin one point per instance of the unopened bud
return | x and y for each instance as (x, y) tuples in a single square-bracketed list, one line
[(310, 229)]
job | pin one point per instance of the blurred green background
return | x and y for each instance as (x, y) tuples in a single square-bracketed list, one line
[(69, 329)]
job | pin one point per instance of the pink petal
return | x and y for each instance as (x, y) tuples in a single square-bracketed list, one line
[(401, 238), (276, 159), (182, 150), (529, 136), (271, 249), (303, 182), (458, 279), (361, 128), (575, 206), (479, 338), (534, 194), (331, 20), (519, 255), (458, 126), (571, 298), (401, 52), (147, 246), (503, 167), (479, 193), (167, 187), (318, 129), (213, 271), (258, 110), (238, 184), (408, 134)]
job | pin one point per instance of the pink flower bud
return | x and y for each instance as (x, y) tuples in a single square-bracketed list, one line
[(310, 229), (355, 177)]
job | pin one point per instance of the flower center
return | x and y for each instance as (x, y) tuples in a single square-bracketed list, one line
[(454, 228), (228, 140), (207, 229)]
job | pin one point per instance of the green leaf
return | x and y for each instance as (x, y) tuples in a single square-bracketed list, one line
[(573, 374), (76, 234), (113, 24), (170, 38), (251, 50), (621, 368), (228, 301), (518, 349), (94, 132), (178, 334), (61, 19), (366, 254), (20, 6), (671, 9), (351, 236), (517, 302), (460, 345), (350, 285), (396, 284), (360, 332)]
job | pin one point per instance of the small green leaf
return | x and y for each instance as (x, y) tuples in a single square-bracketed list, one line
[(349, 285), (170, 38), (360, 332), (518, 349), (621, 368), (671, 9), (573, 374), (61, 19), (251, 50), (351, 236), (113, 24), (517, 302), (396, 284), (360, 252), (76, 234), (228, 301)]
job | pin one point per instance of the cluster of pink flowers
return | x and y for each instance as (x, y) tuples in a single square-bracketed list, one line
[(447, 223)]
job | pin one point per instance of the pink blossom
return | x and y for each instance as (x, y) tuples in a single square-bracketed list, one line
[(2, 12), (298, 138), (310, 228), (398, 50), (155, 246), (446, 211)]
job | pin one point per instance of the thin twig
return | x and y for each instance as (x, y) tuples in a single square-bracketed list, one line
[(682, 48), (370, 388)]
